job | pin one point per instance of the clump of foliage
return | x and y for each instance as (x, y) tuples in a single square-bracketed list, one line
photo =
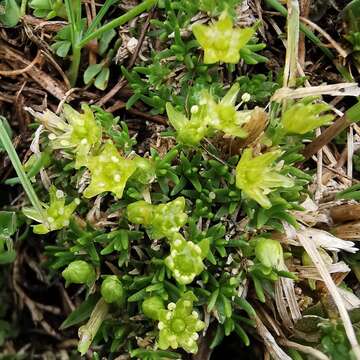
[(168, 246)]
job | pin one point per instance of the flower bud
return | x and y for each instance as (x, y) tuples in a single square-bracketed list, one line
[(79, 272), (112, 290), (151, 307), (269, 252), (140, 212)]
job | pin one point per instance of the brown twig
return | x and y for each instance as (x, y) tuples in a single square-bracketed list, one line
[(21, 71), (327, 135)]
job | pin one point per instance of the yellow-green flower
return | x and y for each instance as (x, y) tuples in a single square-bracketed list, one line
[(303, 117), (189, 131), (258, 176), (186, 259), (55, 216), (163, 220), (224, 116), (73, 131), (109, 172), (85, 132), (221, 41), (179, 325)]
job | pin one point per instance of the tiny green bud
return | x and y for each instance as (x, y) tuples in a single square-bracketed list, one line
[(79, 272), (112, 290), (269, 252), (151, 307)]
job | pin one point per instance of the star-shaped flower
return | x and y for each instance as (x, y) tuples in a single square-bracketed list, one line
[(179, 325), (189, 131), (73, 131), (221, 41), (257, 176), (55, 216), (109, 172), (224, 115), (305, 116), (186, 259)]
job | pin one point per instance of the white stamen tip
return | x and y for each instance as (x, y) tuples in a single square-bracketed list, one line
[(246, 97), (171, 306), (59, 194)]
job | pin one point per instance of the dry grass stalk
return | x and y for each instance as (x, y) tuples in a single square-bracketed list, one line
[(304, 349), (311, 272), (272, 347), (309, 245), (292, 48), (342, 89)]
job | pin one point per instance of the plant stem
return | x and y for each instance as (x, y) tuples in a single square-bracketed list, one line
[(88, 331), (292, 47), (135, 11), (16, 163), (23, 7), (75, 64), (73, 12)]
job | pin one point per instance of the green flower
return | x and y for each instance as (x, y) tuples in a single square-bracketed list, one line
[(189, 131), (112, 290), (269, 252), (186, 259), (152, 306), (303, 117), (179, 325), (163, 220), (72, 131), (224, 115), (109, 172), (257, 176), (55, 216), (221, 41), (79, 272)]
